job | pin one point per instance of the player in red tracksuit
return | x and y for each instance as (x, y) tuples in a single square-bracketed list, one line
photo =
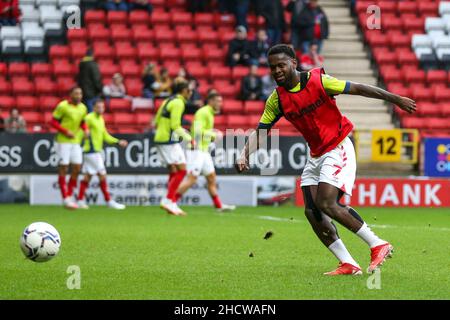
[(306, 99)]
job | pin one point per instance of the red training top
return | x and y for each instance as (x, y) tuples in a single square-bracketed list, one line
[(315, 114)]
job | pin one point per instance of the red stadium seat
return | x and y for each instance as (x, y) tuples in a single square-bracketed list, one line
[(19, 69), (181, 18), (388, 7), (254, 107), (400, 90), (198, 71), (77, 35), (27, 103), (119, 105), (78, 49), (406, 57), (144, 118), (170, 53), (130, 70), (220, 73), (41, 69), (3, 68), (134, 87), (420, 93), (193, 54), (141, 34), (413, 122), (7, 102), (64, 69), (116, 17), (120, 34), (186, 35), (232, 107), (165, 36), (238, 72), (147, 52), (409, 7), (436, 123), (429, 109), (122, 118), (103, 50), (125, 50), (441, 94), (5, 88), (390, 74), (138, 17), (95, 16), (390, 22), (203, 19), (208, 36), (65, 84), (48, 103), (436, 77), (238, 122), (428, 8), (46, 88), (385, 57), (97, 33), (414, 76), (22, 87), (226, 37), (107, 70), (59, 52), (214, 54), (160, 18), (33, 117), (399, 40), (416, 25)]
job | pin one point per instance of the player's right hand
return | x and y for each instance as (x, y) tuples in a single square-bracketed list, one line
[(241, 165), (407, 104)]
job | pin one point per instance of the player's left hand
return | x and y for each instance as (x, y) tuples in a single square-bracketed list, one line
[(123, 143), (406, 104), (87, 134)]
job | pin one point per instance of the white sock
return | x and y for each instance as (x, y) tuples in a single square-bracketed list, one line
[(340, 251), (369, 237)]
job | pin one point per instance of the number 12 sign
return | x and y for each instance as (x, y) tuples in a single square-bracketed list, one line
[(386, 145)]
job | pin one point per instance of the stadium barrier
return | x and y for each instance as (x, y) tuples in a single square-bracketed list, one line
[(35, 153), (394, 192)]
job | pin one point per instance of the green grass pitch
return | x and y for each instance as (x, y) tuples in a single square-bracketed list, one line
[(143, 253)]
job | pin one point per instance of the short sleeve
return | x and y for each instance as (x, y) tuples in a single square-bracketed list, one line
[(334, 86), (272, 112), (58, 113)]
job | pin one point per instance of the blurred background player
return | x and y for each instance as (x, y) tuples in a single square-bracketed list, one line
[(168, 132), (94, 163), (68, 119), (199, 161), (307, 101)]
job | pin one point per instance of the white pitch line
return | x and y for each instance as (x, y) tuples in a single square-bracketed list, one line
[(381, 226)]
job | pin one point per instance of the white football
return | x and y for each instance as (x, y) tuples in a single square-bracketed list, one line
[(40, 242)]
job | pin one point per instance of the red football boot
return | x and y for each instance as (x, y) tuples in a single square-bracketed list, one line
[(379, 255), (345, 269)]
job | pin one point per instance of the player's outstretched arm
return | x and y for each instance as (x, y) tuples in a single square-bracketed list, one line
[(369, 91)]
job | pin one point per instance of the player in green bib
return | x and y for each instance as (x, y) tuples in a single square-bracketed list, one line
[(199, 161), (68, 120), (168, 135), (94, 163)]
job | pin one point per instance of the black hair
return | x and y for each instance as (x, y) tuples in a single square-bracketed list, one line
[(212, 95), (282, 48), (179, 85)]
